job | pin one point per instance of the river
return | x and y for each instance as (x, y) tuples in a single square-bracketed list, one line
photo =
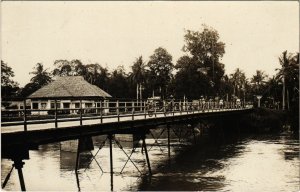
[(265, 162)]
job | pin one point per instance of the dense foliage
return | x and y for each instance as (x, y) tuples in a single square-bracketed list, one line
[(198, 73)]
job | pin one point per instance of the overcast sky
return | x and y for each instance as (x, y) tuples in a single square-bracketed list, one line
[(116, 33)]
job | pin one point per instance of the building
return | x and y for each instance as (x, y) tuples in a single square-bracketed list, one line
[(65, 92)]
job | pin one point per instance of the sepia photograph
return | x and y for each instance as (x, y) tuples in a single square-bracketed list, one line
[(150, 96)]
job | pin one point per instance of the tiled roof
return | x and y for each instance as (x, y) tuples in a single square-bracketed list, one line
[(69, 86)]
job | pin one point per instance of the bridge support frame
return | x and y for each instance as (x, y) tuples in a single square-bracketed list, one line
[(110, 137), (169, 150), (18, 164), (146, 153)]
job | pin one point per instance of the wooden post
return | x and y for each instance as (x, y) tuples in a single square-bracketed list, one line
[(147, 157), (145, 109), (125, 106), (110, 137), (55, 113), (80, 111), (118, 110), (101, 108), (169, 150), (132, 110), (154, 109), (25, 117), (19, 165), (77, 155), (180, 107), (164, 103)]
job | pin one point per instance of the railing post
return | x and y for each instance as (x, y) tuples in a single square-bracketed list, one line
[(125, 106), (193, 109), (80, 111), (145, 109), (164, 103), (180, 107), (55, 113), (187, 107), (208, 105), (155, 109), (132, 110), (173, 106), (118, 110), (25, 117), (101, 119)]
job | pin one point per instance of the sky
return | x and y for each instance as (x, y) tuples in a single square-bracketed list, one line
[(113, 33)]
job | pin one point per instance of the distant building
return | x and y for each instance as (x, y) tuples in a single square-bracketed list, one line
[(67, 90)]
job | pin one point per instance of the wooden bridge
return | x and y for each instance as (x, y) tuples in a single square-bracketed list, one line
[(26, 129)]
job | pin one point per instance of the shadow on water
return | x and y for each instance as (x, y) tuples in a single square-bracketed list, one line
[(188, 169), (204, 166)]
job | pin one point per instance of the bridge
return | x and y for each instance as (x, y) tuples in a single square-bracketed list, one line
[(26, 129)]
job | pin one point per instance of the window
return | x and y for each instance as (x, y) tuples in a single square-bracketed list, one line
[(35, 105), (43, 105), (53, 105), (66, 105), (77, 105)]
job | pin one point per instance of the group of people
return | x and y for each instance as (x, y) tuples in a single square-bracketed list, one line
[(170, 104)]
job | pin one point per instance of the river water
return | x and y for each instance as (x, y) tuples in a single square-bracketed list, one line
[(248, 163)]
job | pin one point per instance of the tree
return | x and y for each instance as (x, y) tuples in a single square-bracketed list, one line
[(206, 51), (63, 68), (92, 73), (160, 71), (238, 80), (189, 80), (41, 78), (137, 76), (8, 86), (258, 81), (118, 84), (289, 75)]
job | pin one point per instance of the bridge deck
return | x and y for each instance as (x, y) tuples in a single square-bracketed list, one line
[(10, 127)]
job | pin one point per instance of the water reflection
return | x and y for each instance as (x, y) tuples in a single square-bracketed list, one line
[(249, 163)]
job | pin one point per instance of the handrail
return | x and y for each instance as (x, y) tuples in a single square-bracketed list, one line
[(110, 109)]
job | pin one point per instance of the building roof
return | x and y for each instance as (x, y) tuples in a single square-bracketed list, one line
[(69, 86)]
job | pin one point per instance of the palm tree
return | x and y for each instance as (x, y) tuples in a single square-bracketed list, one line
[(259, 80), (41, 76), (137, 76), (288, 73), (238, 80)]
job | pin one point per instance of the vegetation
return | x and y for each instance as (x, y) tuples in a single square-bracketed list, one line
[(8, 86), (198, 73)]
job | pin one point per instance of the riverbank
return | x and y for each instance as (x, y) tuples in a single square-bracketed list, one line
[(263, 120)]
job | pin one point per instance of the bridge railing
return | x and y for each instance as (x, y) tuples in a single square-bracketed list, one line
[(54, 111)]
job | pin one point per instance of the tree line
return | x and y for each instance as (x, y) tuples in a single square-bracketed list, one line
[(198, 73)]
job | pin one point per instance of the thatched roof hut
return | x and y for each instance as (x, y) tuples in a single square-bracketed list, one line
[(69, 87)]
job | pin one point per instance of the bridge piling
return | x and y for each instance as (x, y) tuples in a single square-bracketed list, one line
[(110, 137), (146, 153), (18, 164), (77, 156), (169, 151)]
